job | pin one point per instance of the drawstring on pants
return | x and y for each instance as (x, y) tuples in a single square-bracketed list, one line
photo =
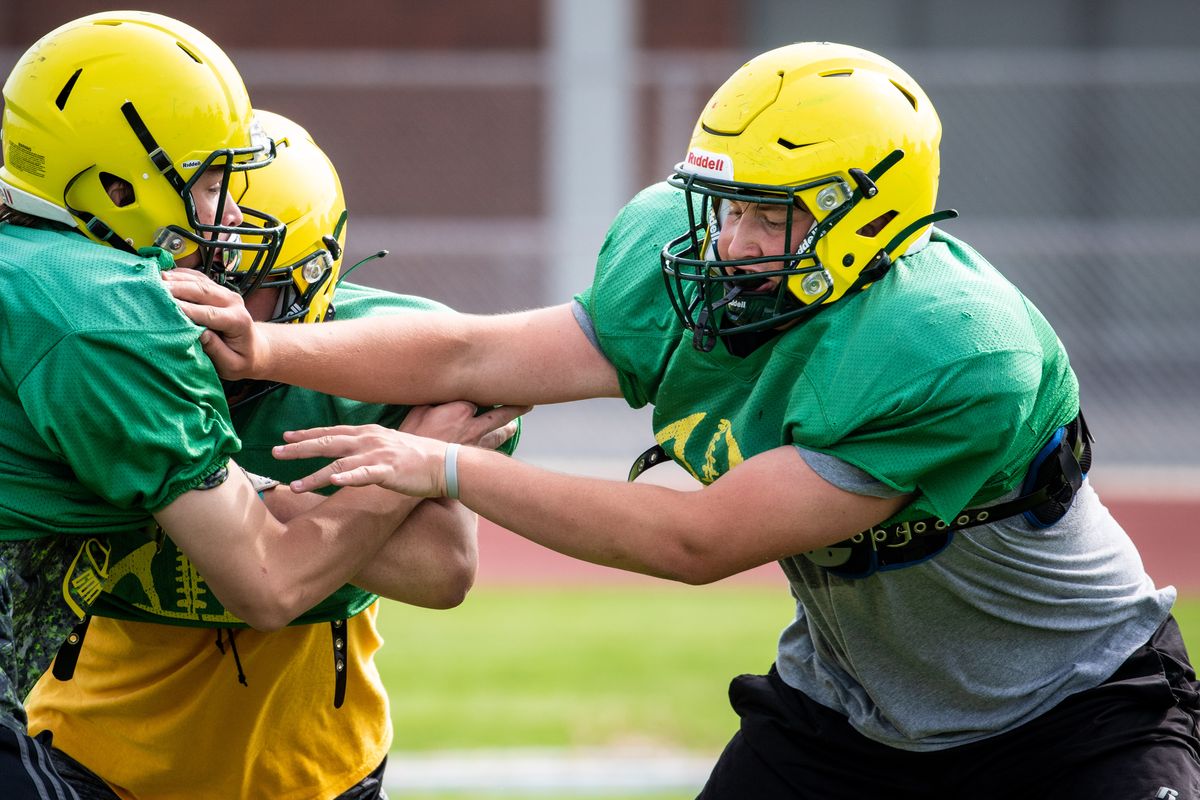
[(230, 632)]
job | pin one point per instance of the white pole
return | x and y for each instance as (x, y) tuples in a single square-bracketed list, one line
[(589, 155)]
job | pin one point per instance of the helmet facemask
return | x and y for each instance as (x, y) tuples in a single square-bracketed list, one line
[(224, 249), (302, 281), (839, 132), (718, 297)]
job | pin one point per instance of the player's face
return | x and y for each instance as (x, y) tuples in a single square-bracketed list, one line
[(750, 230), (261, 303), (206, 194)]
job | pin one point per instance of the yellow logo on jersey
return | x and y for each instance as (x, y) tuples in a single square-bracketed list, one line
[(192, 594), (721, 443), (84, 579)]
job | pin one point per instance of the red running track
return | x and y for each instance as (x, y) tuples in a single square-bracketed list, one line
[(1166, 531)]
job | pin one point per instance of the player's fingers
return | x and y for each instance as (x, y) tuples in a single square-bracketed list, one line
[(491, 420), (327, 446), (364, 475), (217, 349), (306, 434), (493, 439), (501, 415), (359, 470), (313, 481), (186, 273), (196, 288)]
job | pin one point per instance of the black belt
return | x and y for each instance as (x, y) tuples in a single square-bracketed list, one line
[(1054, 476)]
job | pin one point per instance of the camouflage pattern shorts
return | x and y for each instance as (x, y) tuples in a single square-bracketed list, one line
[(34, 616)]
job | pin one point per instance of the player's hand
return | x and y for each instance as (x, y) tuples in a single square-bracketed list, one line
[(231, 340), (460, 422), (368, 454)]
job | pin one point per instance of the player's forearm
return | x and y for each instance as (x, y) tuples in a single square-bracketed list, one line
[(268, 572), (431, 559), (294, 566), (634, 527), (327, 546), (769, 507), (409, 359), (526, 358)]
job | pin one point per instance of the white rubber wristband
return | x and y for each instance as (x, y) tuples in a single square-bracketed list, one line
[(452, 471)]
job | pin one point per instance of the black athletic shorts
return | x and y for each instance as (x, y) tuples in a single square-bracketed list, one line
[(90, 786), (26, 769), (1134, 737)]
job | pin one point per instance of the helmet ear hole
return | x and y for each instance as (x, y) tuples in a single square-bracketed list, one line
[(872, 228), (119, 190)]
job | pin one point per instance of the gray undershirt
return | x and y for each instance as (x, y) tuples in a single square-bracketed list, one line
[(995, 630)]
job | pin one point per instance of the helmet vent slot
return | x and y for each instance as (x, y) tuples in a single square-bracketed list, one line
[(792, 145), (65, 94), (875, 226), (191, 55), (838, 73), (912, 99)]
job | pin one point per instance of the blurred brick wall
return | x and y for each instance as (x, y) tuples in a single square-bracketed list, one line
[(401, 24), (434, 114)]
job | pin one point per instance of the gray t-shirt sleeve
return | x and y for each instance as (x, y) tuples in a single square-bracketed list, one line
[(585, 323), (846, 476)]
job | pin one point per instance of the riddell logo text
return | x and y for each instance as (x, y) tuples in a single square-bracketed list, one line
[(706, 162)]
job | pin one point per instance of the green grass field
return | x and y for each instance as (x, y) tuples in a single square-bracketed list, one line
[(578, 667), (644, 667)]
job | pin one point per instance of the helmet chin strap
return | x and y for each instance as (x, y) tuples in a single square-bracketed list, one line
[(93, 224), (704, 337)]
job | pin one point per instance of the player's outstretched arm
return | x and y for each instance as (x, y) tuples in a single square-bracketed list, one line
[(524, 358), (768, 507), (432, 558), (268, 571)]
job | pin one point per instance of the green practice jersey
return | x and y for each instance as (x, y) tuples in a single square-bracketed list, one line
[(940, 379), (109, 410), (155, 582)]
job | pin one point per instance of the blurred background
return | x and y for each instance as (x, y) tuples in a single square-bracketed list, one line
[(487, 145)]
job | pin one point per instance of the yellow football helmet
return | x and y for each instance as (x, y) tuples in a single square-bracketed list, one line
[(834, 130), (145, 99), (301, 188)]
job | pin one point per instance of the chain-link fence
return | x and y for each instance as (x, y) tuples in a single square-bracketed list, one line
[(1072, 169)]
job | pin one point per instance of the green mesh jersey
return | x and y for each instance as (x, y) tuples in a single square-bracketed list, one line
[(157, 583), (940, 379), (109, 410)]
